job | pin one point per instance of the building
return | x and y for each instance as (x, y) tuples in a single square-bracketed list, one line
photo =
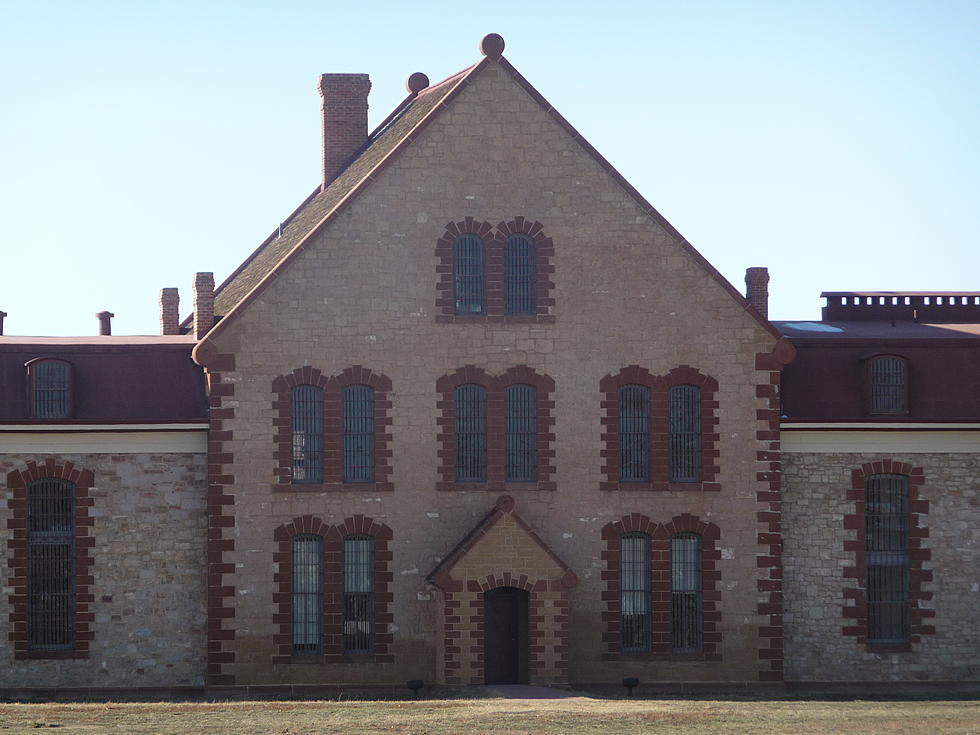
[(476, 412)]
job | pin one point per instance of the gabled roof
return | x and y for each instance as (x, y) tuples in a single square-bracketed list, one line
[(503, 507), (384, 144)]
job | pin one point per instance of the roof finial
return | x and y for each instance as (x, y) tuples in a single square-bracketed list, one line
[(417, 82), (492, 46)]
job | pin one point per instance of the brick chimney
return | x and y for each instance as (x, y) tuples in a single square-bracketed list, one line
[(169, 311), (105, 322), (203, 303), (345, 120), (757, 289)]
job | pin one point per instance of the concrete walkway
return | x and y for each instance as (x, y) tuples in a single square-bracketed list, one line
[(526, 691)]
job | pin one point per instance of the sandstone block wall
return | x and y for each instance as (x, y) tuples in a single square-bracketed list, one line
[(815, 503), (149, 615), (364, 293)]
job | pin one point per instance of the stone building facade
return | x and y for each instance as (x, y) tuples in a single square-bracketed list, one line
[(475, 412)]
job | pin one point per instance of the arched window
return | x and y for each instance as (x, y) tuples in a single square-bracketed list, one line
[(471, 433), (358, 430), (684, 420), (469, 274), (519, 275), (886, 543), (49, 383), (686, 596), (307, 419), (634, 591), (521, 427), (634, 433), (307, 594), (889, 385), (51, 578), (358, 594)]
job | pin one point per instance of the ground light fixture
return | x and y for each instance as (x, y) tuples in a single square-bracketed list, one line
[(415, 685), (630, 682)]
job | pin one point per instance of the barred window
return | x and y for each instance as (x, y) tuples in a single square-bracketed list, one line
[(634, 591), (51, 578), (686, 595), (888, 385), (634, 433), (684, 418), (307, 594), (521, 426), (358, 594), (469, 274), (886, 539), (471, 433), (307, 434), (358, 428), (519, 275), (50, 388)]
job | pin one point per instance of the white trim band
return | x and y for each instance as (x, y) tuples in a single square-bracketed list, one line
[(105, 442), (870, 442)]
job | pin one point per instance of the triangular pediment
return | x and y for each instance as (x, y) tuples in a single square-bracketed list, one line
[(502, 547)]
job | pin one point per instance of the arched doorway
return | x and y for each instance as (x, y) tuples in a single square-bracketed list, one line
[(505, 639)]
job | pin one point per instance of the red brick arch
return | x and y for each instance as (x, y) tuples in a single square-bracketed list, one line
[(855, 608), (333, 588), (17, 482), (660, 535)]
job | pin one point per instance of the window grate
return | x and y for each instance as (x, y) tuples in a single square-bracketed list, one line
[(471, 433), (634, 591), (358, 427), (519, 275), (307, 434), (51, 579), (888, 385), (634, 433), (50, 381), (469, 274), (307, 594), (686, 593), (886, 538), (521, 426), (684, 410), (358, 594)]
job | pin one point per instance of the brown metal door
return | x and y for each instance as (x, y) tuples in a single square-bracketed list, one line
[(505, 636)]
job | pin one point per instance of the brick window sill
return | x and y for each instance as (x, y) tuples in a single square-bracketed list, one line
[(56, 655), (495, 319), (889, 647), (661, 486), (659, 656), (333, 487), (496, 486)]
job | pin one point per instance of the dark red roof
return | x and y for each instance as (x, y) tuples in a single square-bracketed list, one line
[(115, 379)]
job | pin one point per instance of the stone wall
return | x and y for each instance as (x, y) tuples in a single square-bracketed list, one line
[(147, 608), (816, 562), (365, 293)]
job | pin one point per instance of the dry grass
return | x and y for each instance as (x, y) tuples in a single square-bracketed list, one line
[(570, 716)]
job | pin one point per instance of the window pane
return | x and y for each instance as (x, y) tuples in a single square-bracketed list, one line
[(634, 433), (358, 425), (686, 599), (471, 433), (521, 426), (50, 382), (307, 434), (51, 564), (307, 594), (358, 594), (886, 538), (519, 275), (469, 274), (888, 385), (684, 407), (634, 591)]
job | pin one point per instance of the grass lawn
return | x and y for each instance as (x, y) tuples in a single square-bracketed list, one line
[(487, 715)]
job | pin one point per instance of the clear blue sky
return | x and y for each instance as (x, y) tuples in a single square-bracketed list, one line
[(835, 142)]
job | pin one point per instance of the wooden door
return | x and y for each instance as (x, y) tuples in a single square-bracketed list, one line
[(505, 636)]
